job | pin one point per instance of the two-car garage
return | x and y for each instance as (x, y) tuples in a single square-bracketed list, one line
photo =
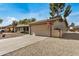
[(46, 28)]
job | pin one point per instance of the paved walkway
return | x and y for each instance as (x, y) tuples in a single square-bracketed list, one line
[(11, 44)]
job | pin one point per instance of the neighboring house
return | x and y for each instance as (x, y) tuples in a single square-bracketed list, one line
[(76, 28), (71, 29), (22, 28), (51, 27), (19, 28), (8, 28)]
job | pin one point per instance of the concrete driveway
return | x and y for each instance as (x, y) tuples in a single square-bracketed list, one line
[(49, 47), (11, 44)]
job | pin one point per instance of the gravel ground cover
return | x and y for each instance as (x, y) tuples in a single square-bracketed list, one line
[(49, 47)]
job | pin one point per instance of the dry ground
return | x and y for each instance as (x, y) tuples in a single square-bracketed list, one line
[(10, 35), (49, 47)]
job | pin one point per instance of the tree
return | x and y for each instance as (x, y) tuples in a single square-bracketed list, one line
[(33, 19), (59, 9), (1, 20), (26, 21), (72, 25), (14, 24), (67, 11), (56, 9), (20, 22)]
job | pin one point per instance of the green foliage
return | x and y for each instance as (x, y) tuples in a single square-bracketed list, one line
[(56, 9), (26, 21), (59, 9), (14, 23), (72, 24), (67, 11), (1, 20), (33, 19)]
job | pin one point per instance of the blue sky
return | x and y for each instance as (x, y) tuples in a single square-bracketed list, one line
[(74, 16), (40, 11)]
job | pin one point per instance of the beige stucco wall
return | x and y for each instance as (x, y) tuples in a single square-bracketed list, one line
[(55, 33), (42, 30), (62, 25)]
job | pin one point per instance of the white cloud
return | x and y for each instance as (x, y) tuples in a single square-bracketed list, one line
[(8, 20)]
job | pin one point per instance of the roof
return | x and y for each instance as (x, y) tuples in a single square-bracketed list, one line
[(44, 21), (22, 25)]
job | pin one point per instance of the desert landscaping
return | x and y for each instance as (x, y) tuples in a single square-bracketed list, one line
[(49, 29), (49, 47)]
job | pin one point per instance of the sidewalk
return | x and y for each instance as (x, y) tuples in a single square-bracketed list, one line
[(11, 44)]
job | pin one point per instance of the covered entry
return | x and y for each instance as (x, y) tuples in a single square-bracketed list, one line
[(23, 28)]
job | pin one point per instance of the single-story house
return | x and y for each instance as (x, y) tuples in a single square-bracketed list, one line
[(8, 28), (50, 27), (22, 28), (74, 28)]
